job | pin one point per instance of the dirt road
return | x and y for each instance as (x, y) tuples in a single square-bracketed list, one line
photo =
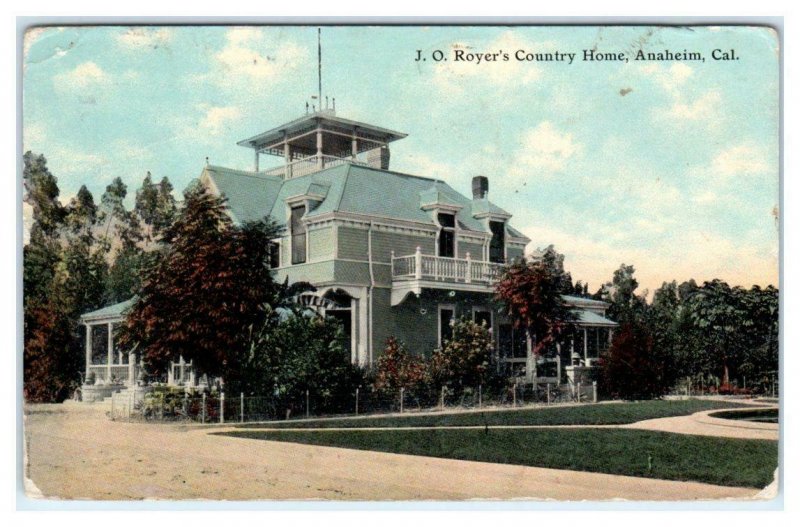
[(75, 452)]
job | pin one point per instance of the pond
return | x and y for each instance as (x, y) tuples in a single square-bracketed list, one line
[(760, 415)]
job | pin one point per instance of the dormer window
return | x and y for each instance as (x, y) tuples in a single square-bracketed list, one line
[(447, 235), (497, 246), (298, 233)]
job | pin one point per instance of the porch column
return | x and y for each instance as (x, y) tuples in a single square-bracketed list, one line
[(610, 335), (88, 350), (585, 345), (287, 156), (110, 351), (418, 263), (255, 164), (182, 364), (131, 369), (319, 148), (354, 146)]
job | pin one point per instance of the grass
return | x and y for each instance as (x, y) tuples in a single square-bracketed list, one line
[(720, 461), (595, 414)]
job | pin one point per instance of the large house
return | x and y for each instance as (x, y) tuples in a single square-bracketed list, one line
[(391, 254)]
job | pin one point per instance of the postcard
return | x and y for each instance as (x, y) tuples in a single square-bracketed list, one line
[(391, 263)]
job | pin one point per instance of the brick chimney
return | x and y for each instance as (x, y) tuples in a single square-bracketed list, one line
[(379, 157), (480, 187)]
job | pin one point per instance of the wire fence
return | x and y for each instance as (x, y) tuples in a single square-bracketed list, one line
[(173, 404)]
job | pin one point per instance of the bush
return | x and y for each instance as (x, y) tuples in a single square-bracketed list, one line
[(398, 369), (630, 368), (465, 360)]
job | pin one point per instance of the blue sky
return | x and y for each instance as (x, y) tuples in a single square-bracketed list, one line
[(678, 176)]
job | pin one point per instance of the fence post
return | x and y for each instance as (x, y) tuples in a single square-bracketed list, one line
[(441, 399), (480, 396), (308, 409), (222, 407), (203, 414), (514, 402), (356, 401), (241, 407), (402, 393), (548, 393), (594, 391), (578, 392)]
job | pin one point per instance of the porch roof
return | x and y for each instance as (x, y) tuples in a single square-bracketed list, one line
[(590, 318), (112, 313)]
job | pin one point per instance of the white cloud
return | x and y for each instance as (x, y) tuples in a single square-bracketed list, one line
[(217, 119), (142, 37), (670, 78), (427, 166), (706, 108), (742, 160), (250, 54), (83, 76), (543, 151)]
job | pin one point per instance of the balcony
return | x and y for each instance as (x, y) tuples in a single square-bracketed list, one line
[(415, 272)]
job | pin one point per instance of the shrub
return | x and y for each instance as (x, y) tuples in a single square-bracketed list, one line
[(398, 369), (630, 368), (465, 360)]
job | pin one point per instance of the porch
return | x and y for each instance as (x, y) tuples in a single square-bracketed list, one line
[(110, 369)]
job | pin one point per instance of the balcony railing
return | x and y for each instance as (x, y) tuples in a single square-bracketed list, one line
[(420, 266), (309, 165)]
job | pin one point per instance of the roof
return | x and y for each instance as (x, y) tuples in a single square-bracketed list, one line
[(320, 118), (350, 188), (590, 318), (580, 301), (114, 311)]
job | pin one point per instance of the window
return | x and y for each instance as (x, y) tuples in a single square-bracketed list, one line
[(482, 316), (512, 342), (497, 247), (447, 235), (274, 255), (298, 230), (446, 316)]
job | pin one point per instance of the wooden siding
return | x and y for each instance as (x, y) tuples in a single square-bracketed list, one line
[(320, 244)]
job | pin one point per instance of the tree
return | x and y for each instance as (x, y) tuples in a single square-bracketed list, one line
[(302, 351), (717, 311), (63, 276), (626, 306), (465, 360), (532, 293), (207, 294), (41, 192), (630, 368)]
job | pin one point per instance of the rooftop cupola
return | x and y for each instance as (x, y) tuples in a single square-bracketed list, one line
[(320, 140)]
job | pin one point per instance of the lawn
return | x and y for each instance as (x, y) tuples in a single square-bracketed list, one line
[(590, 414), (720, 461)]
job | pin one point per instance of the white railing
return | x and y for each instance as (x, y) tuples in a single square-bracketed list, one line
[(119, 372), (309, 165), (420, 266)]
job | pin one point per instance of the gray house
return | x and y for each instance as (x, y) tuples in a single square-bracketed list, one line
[(391, 254)]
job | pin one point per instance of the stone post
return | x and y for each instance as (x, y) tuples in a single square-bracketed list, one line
[(110, 351), (88, 350), (468, 278), (131, 369)]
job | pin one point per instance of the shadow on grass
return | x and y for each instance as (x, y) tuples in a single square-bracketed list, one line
[(719, 461)]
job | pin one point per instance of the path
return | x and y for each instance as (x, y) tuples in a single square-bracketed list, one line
[(75, 452)]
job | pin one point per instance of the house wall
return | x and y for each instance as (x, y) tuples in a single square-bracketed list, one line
[(352, 243), (320, 244), (475, 250)]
